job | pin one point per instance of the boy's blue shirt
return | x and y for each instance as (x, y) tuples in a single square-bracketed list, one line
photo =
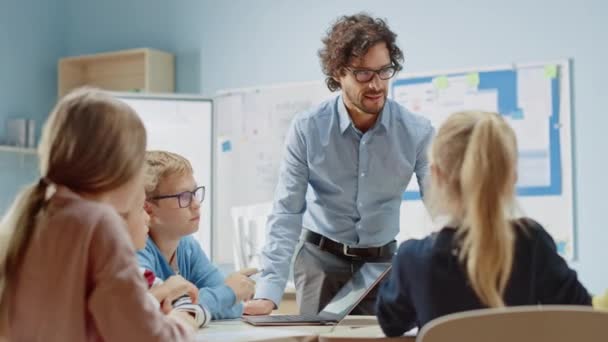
[(195, 267)]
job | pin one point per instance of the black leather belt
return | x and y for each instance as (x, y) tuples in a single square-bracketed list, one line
[(325, 244)]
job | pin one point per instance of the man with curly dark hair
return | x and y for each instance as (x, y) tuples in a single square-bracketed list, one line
[(347, 163)]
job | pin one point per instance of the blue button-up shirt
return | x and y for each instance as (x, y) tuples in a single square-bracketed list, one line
[(342, 183)]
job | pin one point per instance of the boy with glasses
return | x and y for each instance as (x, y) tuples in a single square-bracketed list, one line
[(173, 201)]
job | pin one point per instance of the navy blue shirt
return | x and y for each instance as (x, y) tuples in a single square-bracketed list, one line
[(428, 281)]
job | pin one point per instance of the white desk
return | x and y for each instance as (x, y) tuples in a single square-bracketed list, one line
[(360, 328)]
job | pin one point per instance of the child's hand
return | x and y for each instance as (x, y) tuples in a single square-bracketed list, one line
[(241, 284), (173, 288), (184, 318)]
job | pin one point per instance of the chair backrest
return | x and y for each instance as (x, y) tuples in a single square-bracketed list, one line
[(249, 224), (551, 323)]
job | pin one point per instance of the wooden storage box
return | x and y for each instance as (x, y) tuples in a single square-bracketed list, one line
[(140, 70)]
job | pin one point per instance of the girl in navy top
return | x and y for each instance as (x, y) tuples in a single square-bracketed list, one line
[(483, 257)]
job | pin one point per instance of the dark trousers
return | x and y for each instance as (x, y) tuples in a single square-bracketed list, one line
[(319, 275)]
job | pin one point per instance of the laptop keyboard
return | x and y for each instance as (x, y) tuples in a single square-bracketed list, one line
[(285, 318)]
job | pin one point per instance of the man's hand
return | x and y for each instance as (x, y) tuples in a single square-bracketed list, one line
[(258, 307)]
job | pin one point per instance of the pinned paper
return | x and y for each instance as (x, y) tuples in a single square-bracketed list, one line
[(441, 82), (551, 71), (473, 79), (226, 146)]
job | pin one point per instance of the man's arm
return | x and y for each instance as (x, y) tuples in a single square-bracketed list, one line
[(285, 223), (422, 167)]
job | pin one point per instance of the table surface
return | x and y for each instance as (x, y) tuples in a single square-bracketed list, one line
[(361, 328)]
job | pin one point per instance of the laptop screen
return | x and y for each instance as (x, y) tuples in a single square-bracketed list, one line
[(355, 290)]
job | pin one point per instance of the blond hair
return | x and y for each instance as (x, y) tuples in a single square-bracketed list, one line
[(476, 156), (160, 164), (91, 143)]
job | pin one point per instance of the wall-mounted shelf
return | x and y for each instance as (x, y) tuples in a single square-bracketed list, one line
[(138, 70)]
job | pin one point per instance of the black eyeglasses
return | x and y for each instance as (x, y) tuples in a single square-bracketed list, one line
[(184, 199), (366, 75)]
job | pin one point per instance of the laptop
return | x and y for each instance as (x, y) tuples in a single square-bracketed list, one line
[(353, 292)]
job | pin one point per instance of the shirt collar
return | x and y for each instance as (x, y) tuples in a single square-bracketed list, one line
[(385, 115), (343, 116), (346, 121)]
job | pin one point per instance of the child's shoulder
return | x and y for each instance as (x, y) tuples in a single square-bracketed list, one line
[(150, 247), (417, 247), (191, 247), (188, 241), (531, 231), (84, 215)]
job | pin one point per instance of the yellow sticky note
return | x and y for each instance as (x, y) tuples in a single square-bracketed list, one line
[(441, 82), (551, 71), (473, 79)]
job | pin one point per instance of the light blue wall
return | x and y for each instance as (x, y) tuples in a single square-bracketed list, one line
[(238, 43), (31, 41), (97, 26)]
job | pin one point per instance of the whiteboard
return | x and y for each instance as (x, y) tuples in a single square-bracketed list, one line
[(251, 126), (183, 125), (534, 98)]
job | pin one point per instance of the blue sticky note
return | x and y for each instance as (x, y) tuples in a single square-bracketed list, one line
[(561, 247), (518, 114), (226, 146)]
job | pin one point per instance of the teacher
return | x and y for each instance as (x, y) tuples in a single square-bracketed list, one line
[(346, 166)]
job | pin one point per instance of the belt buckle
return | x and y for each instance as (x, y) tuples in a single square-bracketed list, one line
[(345, 251), (321, 243)]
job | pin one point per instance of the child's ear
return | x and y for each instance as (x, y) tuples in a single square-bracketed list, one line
[(149, 208)]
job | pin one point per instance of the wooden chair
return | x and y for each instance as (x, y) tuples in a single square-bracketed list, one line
[(550, 323)]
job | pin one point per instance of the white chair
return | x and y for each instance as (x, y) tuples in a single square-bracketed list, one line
[(249, 224), (551, 323)]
